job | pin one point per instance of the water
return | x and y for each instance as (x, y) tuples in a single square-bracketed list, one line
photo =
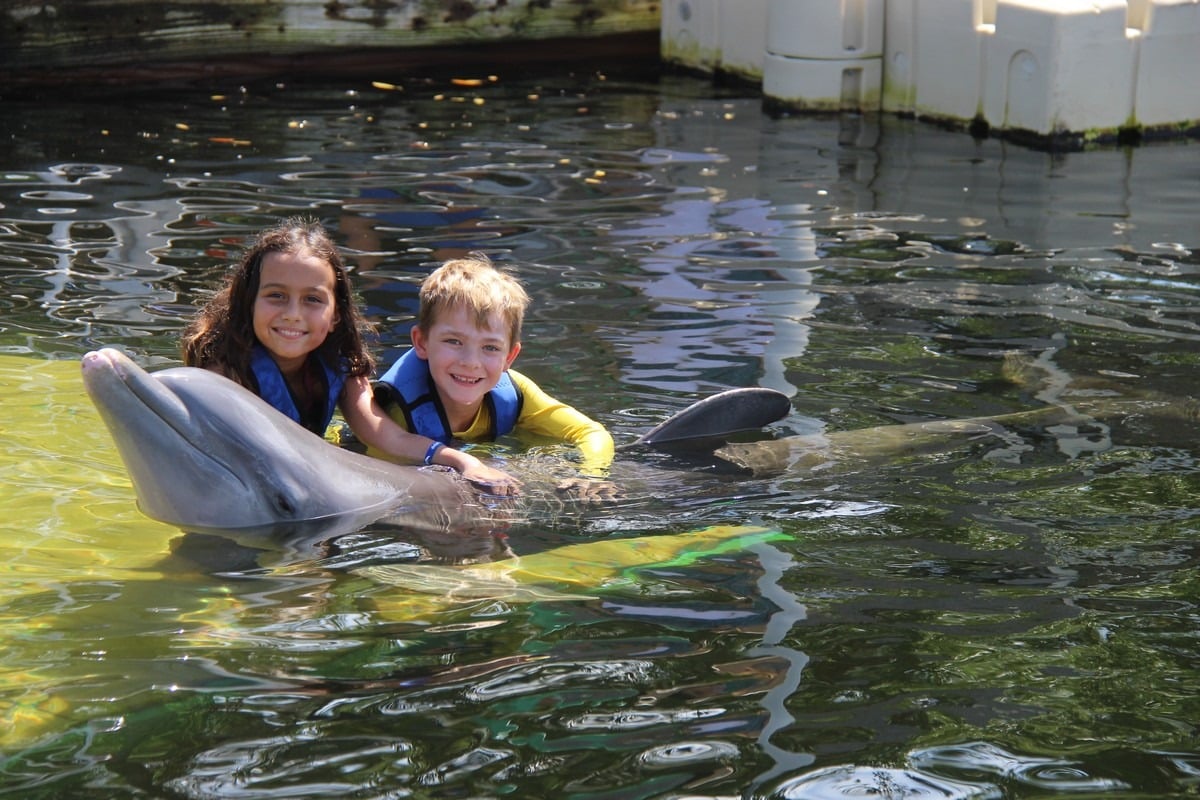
[(1015, 616)]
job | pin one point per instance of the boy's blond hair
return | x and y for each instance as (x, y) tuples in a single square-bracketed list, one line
[(474, 283)]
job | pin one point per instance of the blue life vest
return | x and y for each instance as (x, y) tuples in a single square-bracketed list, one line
[(408, 385), (273, 388)]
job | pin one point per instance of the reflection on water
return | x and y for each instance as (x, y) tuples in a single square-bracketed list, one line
[(1012, 617)]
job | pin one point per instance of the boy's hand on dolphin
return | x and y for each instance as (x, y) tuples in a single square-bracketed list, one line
[(492, 480), (590, 491)]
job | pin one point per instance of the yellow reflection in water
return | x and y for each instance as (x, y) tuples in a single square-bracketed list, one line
[(89, 622), (69, 517), (68, 505)]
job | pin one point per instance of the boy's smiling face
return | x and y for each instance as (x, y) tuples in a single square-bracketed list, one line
[(466, 360)]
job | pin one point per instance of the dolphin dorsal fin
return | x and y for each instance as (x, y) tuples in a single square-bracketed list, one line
[(710, 420)]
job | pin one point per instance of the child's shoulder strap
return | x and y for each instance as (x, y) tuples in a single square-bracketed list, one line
[(408, 386), (504, 404)]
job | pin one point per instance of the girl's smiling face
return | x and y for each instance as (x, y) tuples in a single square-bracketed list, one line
[(466, 360), (295, 308)]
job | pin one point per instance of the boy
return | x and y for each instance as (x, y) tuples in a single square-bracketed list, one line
[(456, 381)]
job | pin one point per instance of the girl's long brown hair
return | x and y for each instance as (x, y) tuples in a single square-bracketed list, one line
[(221, 335)]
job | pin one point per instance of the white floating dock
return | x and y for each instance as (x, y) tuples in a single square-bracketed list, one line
[(1052, 73)]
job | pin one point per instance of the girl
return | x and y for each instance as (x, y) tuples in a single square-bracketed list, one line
[(286, 327)]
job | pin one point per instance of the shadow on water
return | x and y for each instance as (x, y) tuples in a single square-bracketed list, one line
[(1013, 616)]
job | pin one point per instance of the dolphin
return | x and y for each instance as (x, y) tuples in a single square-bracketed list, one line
[(205, 454)]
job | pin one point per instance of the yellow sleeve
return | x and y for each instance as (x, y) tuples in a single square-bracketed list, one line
[(542, 415)]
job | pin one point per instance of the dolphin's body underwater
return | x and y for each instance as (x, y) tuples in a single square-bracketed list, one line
[(205, 454)]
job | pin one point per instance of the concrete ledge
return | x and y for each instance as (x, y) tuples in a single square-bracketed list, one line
[(921, 47), (827, 85), (716, 36), (1056, 74), (826, 29), (1167, 64), (1054, 69)]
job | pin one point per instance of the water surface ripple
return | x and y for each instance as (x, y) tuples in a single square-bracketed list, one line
[(1012, 615)]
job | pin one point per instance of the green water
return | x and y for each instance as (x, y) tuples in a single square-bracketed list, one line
[(1012, 617)]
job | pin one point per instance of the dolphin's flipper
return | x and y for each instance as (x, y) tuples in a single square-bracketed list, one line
[(705, 424), (571, 572)]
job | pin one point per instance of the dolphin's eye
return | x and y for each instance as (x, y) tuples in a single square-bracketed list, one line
[(284, 504)]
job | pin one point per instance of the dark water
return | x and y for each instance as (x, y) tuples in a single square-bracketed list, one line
[(1015, 617)]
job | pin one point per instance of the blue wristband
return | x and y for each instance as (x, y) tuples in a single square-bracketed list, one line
[(432, 451)]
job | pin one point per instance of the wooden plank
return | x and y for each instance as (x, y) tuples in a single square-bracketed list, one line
[(39, 40)]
